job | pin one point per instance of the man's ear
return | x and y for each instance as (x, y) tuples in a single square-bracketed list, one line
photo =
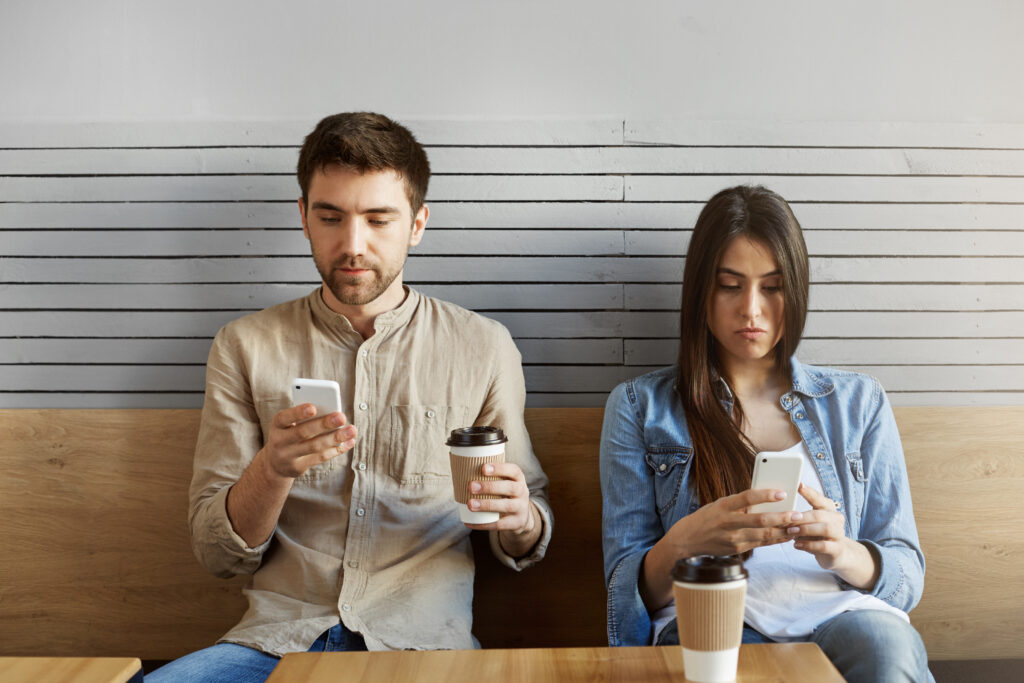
[(419, 224), (302, 215)]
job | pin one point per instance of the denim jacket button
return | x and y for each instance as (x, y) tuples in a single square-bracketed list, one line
[(819, 456), (799, 416), (662, 467)]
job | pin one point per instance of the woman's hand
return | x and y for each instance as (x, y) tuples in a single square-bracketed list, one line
[(822, 533), (723, 527)]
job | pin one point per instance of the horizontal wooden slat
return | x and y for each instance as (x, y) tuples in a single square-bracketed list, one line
[(256, 296), (194, 351), (861, 351), (463, 214), (286, 188), (831, 188), (856, 242), (293, 243), (602, 323), (824, 134), (851, 297), (532, 160), (291, 132)]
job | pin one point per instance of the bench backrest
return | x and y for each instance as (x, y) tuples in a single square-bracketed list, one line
[(96, 558)]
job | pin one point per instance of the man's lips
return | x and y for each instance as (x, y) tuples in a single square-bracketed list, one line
[(751, 333)]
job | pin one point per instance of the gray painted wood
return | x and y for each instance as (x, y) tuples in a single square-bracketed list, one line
[(124, 248)]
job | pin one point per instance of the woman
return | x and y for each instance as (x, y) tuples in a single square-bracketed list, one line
[(677, 452)]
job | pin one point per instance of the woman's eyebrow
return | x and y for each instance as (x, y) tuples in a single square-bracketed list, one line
[(730, 271)]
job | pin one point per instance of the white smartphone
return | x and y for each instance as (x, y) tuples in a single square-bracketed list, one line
[(325, 394), (777, 471)]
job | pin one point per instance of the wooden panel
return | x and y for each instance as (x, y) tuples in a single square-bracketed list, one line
[(69, 669), (855, 243), (465, 214), (831, 188), (864, 297), (98, 482), (860, 351), (289, 132), (825, 134), (286, 188)]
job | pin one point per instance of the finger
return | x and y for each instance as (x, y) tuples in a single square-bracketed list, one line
[(503, 488), (321, 425), (503, 506), (826, 530), (818, 547), (775, 519), (817, 499), (505, 470), (319, 457), (745, 499), (289, 416)]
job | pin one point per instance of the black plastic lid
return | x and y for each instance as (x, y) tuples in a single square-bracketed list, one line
[(476, 436), (709, 569)]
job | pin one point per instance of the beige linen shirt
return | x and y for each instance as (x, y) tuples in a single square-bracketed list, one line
[(373, 536)]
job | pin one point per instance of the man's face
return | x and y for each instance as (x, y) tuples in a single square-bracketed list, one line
[(360, 227)]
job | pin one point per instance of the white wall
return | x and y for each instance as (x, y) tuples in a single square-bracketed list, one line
[(805, 60), (147, 189)]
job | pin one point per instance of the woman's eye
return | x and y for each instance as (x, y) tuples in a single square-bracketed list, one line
[(729, 288), (773, 289)]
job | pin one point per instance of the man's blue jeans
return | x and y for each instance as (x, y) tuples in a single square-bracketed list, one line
[(867, 646), (232, 663)]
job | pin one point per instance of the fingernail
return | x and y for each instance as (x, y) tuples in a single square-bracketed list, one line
[(793, 530), (796, 517), (488, 469), (309, 410), (474, 487), (779, 495), (474, 504), (336, 420)]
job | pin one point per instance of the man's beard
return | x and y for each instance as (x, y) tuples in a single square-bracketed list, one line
[(355, 291)]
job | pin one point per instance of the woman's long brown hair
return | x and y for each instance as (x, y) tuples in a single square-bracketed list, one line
[(723, 458)]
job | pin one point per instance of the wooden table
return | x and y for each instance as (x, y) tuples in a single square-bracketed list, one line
[(68, 669), (761, 663)]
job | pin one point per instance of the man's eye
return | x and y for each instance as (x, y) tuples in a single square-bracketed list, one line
[(379, 222), (329, 219)]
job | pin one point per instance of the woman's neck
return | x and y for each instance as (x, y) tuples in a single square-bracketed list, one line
[(753, 378)]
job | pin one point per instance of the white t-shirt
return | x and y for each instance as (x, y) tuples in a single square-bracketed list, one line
[(788, 593)]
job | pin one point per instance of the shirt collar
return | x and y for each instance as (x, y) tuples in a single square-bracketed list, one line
[(392, 319)]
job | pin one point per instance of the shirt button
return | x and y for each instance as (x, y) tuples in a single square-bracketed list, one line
[(347, 607), (362, 466), (431, 413), (799, 416), (363, 406), (353, 564), (662, 467), (819, 456), (360, 512), (364, 353)]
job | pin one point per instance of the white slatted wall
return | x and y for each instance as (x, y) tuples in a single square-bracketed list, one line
[(123, 248)]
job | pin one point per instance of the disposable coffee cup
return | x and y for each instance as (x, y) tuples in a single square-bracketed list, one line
[(470, 448), (710, 593)]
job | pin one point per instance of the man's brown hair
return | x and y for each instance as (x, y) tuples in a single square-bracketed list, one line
[(364, 141)]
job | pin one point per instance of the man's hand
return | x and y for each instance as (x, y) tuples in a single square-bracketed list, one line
[(255, 501), (519, 522), (294, 445)]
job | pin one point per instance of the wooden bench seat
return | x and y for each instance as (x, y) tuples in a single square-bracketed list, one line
[(96, 558)]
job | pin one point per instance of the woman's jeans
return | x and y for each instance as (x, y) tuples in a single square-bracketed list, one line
[(232, 663), (869, 646)]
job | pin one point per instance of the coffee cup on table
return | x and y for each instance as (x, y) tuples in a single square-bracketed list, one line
[(470, 448), (710, 593)]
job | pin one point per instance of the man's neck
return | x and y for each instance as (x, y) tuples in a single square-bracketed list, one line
[(364, 316)]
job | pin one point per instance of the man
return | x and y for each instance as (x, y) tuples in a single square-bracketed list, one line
[(346, 521)]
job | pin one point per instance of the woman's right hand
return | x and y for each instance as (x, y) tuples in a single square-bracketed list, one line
[(723, 527)]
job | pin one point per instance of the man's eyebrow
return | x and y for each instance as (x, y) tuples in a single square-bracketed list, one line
[(730, 271), (383, 209), (327, 206)]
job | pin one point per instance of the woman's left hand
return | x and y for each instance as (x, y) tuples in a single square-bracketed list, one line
[(822, 533)]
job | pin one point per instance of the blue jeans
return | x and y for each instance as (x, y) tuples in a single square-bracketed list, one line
[(868, 646), (233, 663)]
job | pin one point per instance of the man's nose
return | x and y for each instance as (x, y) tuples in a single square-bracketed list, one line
[(354, 240)]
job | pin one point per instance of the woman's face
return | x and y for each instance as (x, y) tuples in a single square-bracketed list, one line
[(746, 303)]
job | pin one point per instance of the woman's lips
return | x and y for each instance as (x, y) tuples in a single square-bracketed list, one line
[(751, 333)]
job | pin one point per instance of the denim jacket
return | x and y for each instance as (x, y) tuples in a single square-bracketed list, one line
[(845, 421)]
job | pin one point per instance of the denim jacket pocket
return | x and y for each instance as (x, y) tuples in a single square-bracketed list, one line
[(855, 507), (667, 464)]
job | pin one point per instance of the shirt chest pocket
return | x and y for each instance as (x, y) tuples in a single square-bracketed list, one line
[(667, 465), (417, 454)]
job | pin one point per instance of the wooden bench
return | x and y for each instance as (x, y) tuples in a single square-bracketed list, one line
[(96, 558)]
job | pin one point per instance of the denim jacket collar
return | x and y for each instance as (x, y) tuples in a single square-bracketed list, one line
[(809, 382)]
